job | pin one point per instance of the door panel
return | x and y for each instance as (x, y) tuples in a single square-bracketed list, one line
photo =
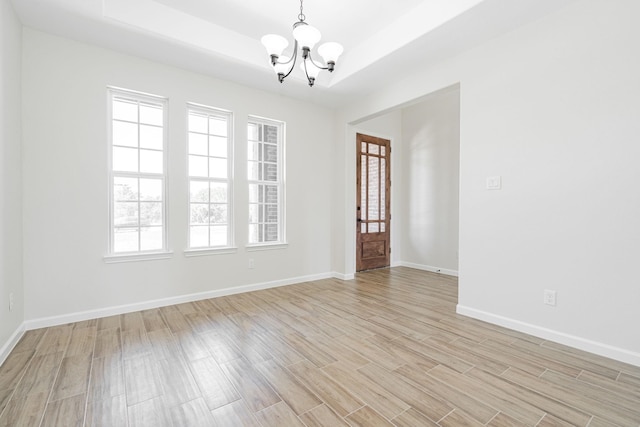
[(373, 202)]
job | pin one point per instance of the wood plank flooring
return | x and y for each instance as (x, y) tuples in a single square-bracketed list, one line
[(385, 349)]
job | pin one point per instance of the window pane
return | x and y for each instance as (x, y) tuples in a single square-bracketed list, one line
[(254, 233), (197, 123), (363, 148), (253, 213), (151, 114), (253, 151), (218, 214), (151, 161), (199, 191), (125, 134), (125, 240), (252, 131), (363, 186), (252, 168), (151, 137), (198, 166), (217, 126), (150, 238), (218, 235), (199, 214), (198, 144), (271, 194), (373, 212), (270, 172), (125, 189), (270, 153), (271, 213), (383, 150), (150, 189), (199, 236), (271, 233), (374, 148), (125, 214), (253, 193), (217, 168), (125, 110), (125, 159), (217, 146), (373, 227), (271, 134), (382, 227), (382, 189), (150, 213), (218, 192)]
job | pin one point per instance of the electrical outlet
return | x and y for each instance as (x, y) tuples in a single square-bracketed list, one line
[(550, 297), (494, 182), (251, 263), (11, 301)]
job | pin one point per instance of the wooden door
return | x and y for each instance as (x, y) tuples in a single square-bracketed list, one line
[(373, 202)]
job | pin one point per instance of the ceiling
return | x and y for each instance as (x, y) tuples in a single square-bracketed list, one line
[(382, 38)]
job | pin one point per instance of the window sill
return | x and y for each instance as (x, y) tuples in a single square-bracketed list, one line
[(149, 256), (209, 251), (266, 247)]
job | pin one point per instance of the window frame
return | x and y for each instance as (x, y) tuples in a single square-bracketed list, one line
[(281, 184), (138, 255), (229, 117)]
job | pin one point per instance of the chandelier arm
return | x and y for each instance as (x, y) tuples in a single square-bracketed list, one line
[(293, 58), (306, 73), (283, 63), (316, 64)]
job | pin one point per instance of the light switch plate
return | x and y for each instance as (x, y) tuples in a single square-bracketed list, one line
[(494, 182)]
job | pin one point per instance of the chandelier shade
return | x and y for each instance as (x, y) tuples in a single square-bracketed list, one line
[(306, 35), (274, 44), (305, 38), (330, 51)]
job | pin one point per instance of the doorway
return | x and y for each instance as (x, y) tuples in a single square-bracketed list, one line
[(373, 202)]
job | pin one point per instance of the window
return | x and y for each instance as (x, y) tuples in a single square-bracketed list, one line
[(137, 181), (210, 160), (266, 181)]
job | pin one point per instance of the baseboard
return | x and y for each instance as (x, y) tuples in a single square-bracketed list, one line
[(45, 322), (427, 268), (341, 276), (594, 347), (11, 343)]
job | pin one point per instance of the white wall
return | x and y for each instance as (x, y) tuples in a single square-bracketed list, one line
[(10, 176), (65, 182), (553, 108), (429, 182)]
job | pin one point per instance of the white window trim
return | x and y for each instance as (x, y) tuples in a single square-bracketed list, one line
[(131, 257), (282, 243), (230, 246), (155, 254), (254, 247), (210, 251)]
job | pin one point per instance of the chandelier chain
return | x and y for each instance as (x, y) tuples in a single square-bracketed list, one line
[(301, 16)]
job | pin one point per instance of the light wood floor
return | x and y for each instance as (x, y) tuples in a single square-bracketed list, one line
[(386, 349)]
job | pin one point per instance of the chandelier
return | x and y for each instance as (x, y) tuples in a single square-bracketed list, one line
[(306, 37)]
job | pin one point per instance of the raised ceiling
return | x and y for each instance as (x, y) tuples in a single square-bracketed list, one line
[(382, 38)]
